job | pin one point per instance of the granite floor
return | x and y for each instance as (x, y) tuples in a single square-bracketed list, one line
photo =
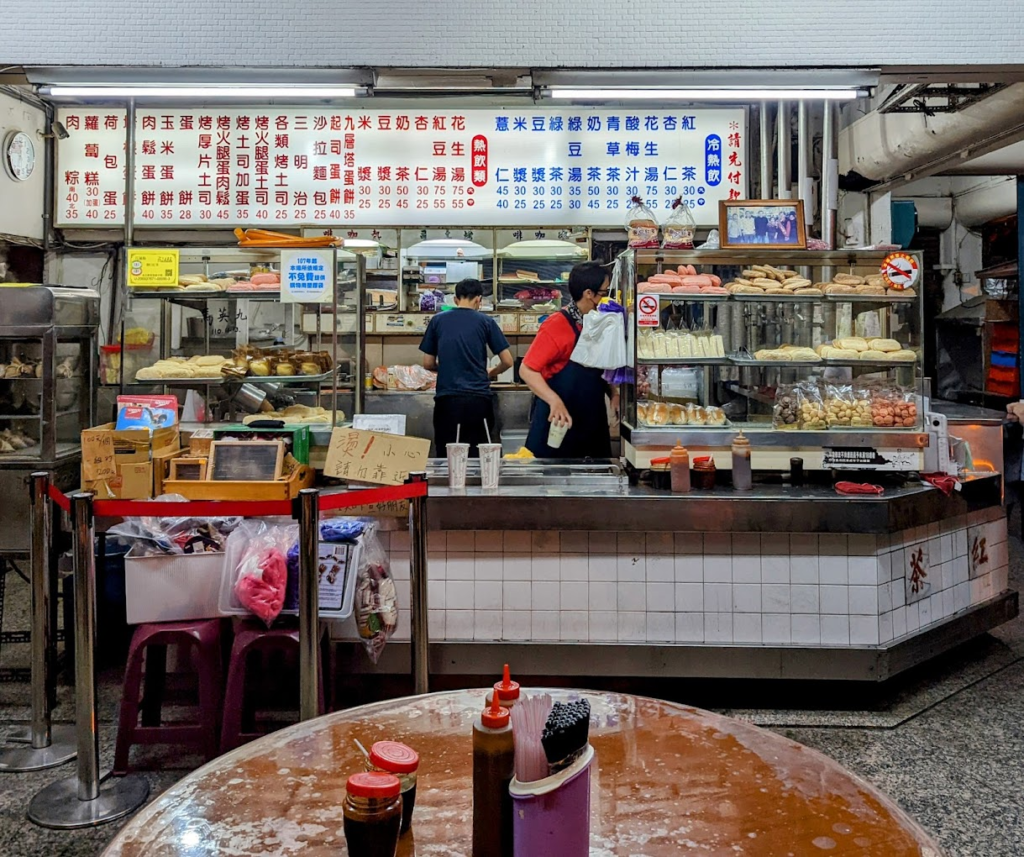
[(945, 741)]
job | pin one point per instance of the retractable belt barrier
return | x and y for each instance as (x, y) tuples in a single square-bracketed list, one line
[(89, 798)]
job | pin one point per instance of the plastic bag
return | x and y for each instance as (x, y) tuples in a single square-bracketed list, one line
[(262, 568), (799, 406), (641, 225), (334, 530), (153, 536), (678, 231), (376, 600), (602, 343)]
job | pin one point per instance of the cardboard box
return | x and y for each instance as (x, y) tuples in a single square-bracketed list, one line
[(285, 488), (126, 469), (172, 588)]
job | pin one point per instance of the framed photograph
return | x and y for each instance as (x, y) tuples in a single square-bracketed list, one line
[(188, 469), (245, 461), (768, 224)]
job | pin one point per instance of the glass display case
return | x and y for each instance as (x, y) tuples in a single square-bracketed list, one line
[(48, 338), (534, 275), (224, 331), (804, 350)]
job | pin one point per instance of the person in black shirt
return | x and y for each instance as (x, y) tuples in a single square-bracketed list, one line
[(456, 345)]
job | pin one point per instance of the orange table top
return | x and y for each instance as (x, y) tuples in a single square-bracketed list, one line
[(669, 780)]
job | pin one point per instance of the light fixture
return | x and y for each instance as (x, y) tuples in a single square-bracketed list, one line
[(703, 94), (208, 91)]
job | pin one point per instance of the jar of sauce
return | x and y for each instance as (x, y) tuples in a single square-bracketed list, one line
[(391, 757), (704, 473), (372, 814)]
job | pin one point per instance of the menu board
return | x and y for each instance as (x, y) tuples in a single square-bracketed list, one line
[(424, 167)]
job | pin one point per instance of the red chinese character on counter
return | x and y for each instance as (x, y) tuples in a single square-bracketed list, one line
[(422, 174), (110, 197), (167, 148), (92, 150), (402, 174), (281, 162), (242, 161), (205, 162), (185, 197), (205, 123), (281, 197), (439, 123), (301, 198), (92, 179), (440, 174), (281, 141), (301, 123), (365, 123), (263, 123), (148, 123), (734, 141), (421, 123), (148, 172), (242, 180), (364, 174), (71, 177), (735, 178), (320, 148), (149, 197), (383, 174), (734, 159), (186, 123), (350, 159), (148, 147), (73, 123), (320, 198), (320, 123), (204, 180), (167, 197), (335, 172), (110, 123), (336, 123), (383, 123), (440, 149), (205, 141), (281, 123), (241, 197), (319, 174), (301, 162), (350, 178), (335, 147), (402, 123), (458, 174), (166, 123), (205, 197), (458, 149), (335, 196), (350, 197), (350, 141), (734, 194), (458, 123)]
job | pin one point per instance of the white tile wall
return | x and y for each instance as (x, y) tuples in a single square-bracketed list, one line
[(744, 589)]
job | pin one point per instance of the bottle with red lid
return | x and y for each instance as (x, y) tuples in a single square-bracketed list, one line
[(507, 690), (372, 814), (493, 768), (401, 760)]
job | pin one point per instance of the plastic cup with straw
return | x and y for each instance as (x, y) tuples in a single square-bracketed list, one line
[(458, 456), (490, 462)]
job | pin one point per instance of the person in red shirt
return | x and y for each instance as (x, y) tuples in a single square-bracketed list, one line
[(566, 392)]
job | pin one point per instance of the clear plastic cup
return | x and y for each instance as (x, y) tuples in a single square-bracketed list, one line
[(458, 455), (490, 465), (556, 433)]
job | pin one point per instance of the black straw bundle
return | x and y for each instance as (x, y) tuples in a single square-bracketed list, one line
[(566, 733)]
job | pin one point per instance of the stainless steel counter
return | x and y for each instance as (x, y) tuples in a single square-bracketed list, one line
[(562, 497)]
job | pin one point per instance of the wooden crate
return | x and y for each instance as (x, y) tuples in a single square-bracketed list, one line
[(283, 489)]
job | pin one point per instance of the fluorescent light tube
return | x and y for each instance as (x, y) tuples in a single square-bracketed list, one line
[(706, 94), (229, 91)]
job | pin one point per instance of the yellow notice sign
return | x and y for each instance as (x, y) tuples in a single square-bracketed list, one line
[(369, 456), (152, 269)]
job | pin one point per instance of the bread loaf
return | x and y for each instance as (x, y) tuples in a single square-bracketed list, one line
[(884, 345)]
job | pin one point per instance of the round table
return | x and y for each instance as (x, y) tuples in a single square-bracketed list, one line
[(669, 780)]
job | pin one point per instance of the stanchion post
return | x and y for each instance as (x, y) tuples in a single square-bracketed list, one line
[(418, 574), (309, 603), (86, 800), (48, 746)]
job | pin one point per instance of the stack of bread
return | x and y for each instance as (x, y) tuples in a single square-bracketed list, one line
[(666, 414), (852, 284), (676, 344), (296, 415), (857, 348), (206, 366), (766, 280), (788, 353)]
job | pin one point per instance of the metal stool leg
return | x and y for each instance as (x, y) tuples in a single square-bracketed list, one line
[(49, 745), (86, 800)]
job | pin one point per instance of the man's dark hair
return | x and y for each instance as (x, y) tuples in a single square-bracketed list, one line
[(469, 289), (586, 275)]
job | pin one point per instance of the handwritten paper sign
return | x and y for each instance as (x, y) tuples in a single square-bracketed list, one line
[(98, 456), (385, 509), (367, 456)]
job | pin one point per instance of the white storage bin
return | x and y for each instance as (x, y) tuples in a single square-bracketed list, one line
[(172, 588)]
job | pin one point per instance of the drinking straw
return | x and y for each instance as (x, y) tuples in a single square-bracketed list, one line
[(487, 429)]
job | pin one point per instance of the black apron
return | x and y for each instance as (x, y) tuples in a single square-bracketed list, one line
[(582, 390)]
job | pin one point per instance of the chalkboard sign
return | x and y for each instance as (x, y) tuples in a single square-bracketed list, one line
[(188, 469), (245, 461)]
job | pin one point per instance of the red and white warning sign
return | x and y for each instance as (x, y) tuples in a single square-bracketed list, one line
[(647, 307)]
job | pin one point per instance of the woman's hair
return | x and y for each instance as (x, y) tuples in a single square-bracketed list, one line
[(469, 289), (586, 275)]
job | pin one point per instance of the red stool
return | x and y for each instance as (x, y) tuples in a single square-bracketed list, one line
[(204, 636), (253, 637)]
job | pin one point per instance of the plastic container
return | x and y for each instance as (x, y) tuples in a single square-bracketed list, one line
[(681, 383), (372, 814), (110, 364), (391, 757), (742, 475), (704, 473), (679, 467), (493, 770), (552, 816)]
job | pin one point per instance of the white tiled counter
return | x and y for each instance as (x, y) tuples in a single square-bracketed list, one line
[(572, 597)]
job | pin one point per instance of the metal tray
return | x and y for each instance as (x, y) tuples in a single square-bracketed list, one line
[(248, 379), (684, 361), (737, 360), (685, 297), (884, 364), (871, 299), (780, 298)]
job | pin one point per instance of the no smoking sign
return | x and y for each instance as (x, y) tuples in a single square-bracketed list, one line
[(647, 311)]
